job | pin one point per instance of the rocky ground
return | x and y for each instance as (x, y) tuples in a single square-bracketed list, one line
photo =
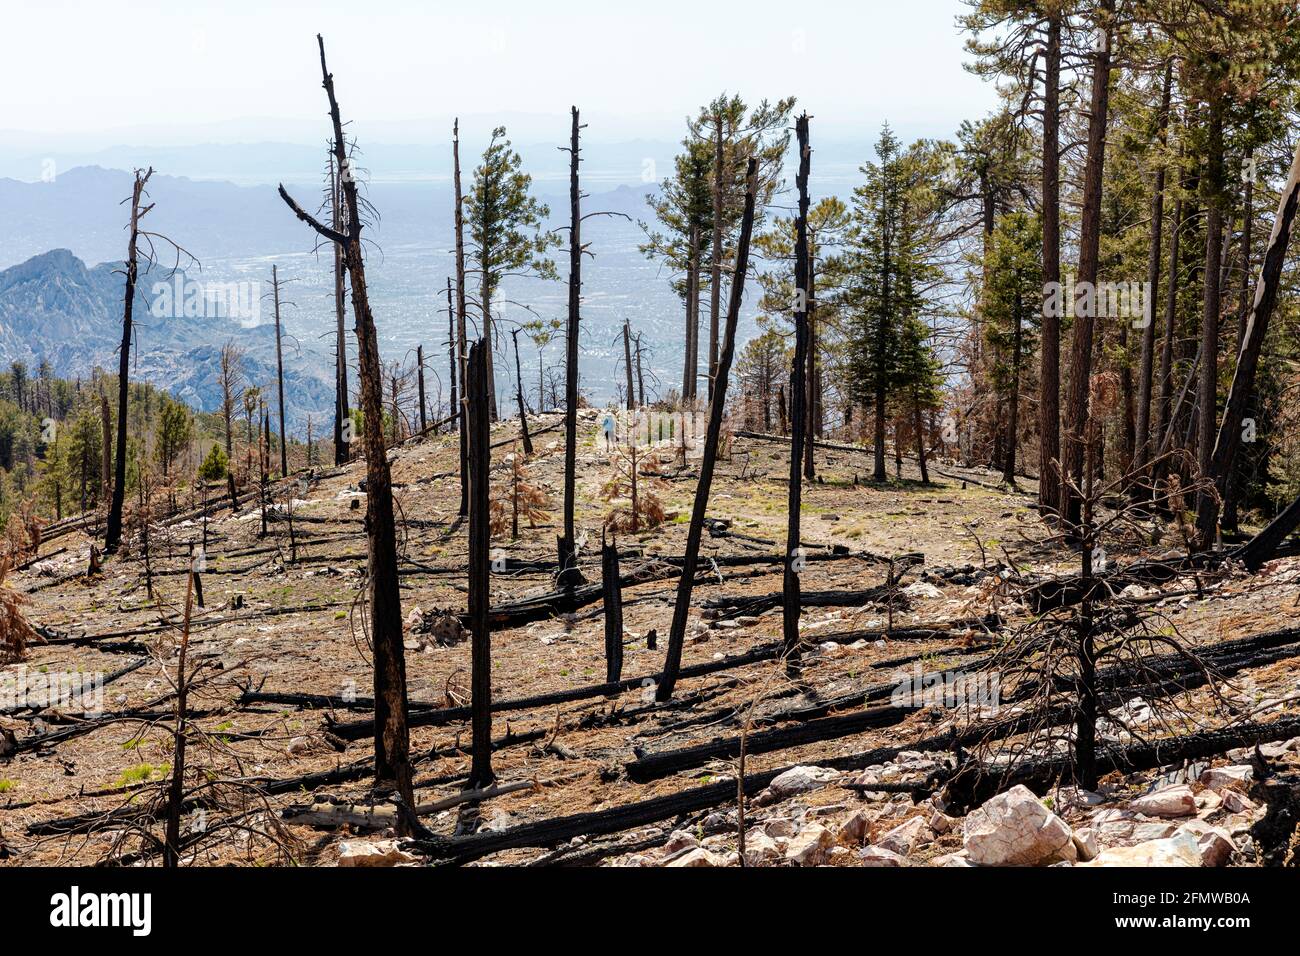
[(283, 617)]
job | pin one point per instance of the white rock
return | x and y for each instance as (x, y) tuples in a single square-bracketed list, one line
[(698, 858), (386, 853), (680, 840), (879, 856), (940, 822), (779, 827), (798, 780), (1179, 850), (906, 837), (1085, 842), (810, 845), (761, 849), (1015, 829), (958, 859), (1219, 779), (1215, 843), (1177, 801), (856, 827), (1235, 802), (922, 589)]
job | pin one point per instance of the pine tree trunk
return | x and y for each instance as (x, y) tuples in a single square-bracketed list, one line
[(1077, 407), (791, 608), (480, 597), (342, 413), (1207, 399), (1142, 428), (1049, 401)]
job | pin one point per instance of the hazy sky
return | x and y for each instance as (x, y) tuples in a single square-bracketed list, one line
[(90, 73)]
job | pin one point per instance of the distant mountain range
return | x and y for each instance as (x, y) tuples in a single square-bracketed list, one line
[(54, 308)]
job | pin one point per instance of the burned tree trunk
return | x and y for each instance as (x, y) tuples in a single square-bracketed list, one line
[(810, 386), (613, 587), (342, 413), (391, 736), (627, 363), (1252, 347), (640, 376), (715, 273), (799, 418), (519, 396), (419, 385), (682, 605), (569, 575), (113, 534), (462, 341), (1207, 508), (279, 372), (477, 428)]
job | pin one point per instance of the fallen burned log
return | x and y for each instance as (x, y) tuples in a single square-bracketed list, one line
[(729, 606), (768, 652), (976, 782), (1181, 673)]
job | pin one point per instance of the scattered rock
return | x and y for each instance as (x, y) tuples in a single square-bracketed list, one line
[(1219, 779), (1085, 843), (856, 828), (385, 853), (879, 856), (1214, 842), (810, 846), (1015, 829), (1178, 801), (698, 858), (906, 837), (679, 841), (1179, 850), (761, 849), (797, 780)]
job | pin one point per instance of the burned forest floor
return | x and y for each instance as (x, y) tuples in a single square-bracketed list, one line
[(277, 769)]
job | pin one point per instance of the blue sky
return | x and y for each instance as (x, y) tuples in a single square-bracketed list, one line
[(246, 70)]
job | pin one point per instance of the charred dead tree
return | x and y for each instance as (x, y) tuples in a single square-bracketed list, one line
[(342, 413), (613, 587), (627, 363), (690, 561), (113, 534), (419, 384), (640, 375), (279, 372), (453, 403), (1228, 442), (519, 398), (480, 534), (462, 341), (569, 575), (392, 741), (176, 788), (798, 398)]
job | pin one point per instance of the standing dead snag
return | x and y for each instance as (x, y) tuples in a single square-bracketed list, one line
[(1252, 347), (613, 587), (627, 364), (392, 742), (279, 373), (569, 575), (682, 606), (519, 397), (113, 535), (342, 413), (419, 381), (477, 431), (176, 788), (798, 396), (462, 342)]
